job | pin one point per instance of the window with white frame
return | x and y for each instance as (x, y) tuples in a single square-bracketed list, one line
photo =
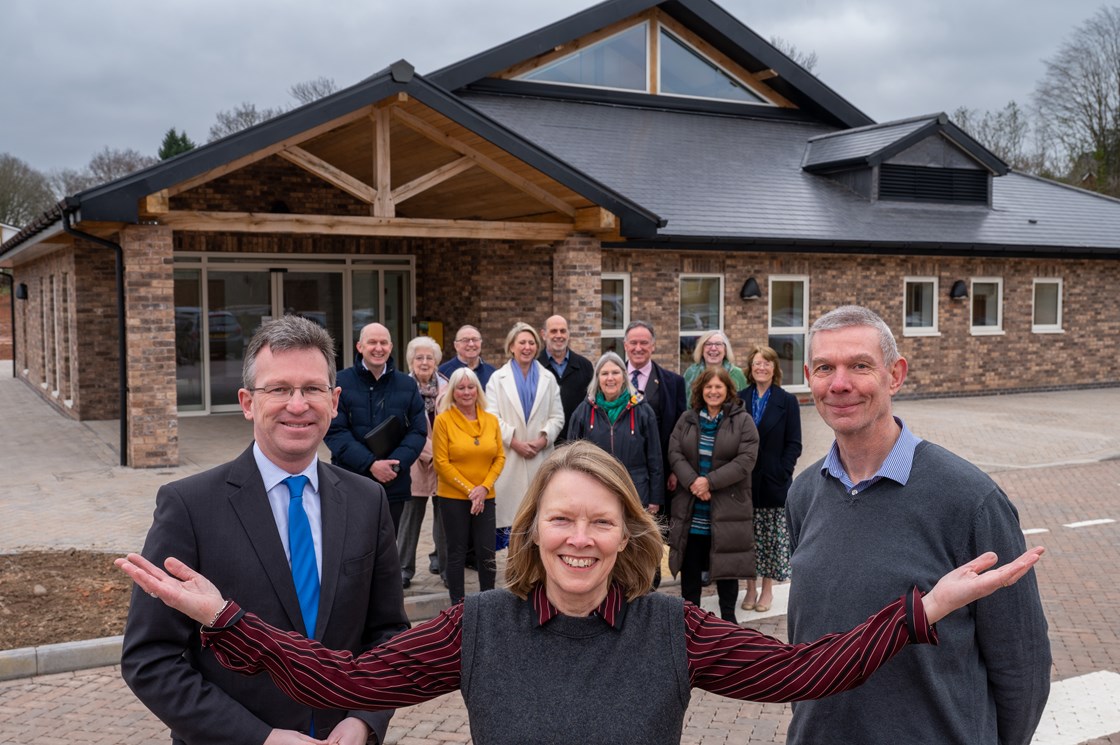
[(615, 312), (987, 305), (919, 312), (788, 327), (1046, 314), (701, 310)]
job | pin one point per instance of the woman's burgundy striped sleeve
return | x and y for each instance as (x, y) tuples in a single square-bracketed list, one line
[(742, 663)]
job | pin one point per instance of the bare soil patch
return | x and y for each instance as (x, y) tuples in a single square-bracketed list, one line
[(47, 597)]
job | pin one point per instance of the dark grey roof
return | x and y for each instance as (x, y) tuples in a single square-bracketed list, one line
[(726, 181), (873, 144), (704, 17), (117, 201)]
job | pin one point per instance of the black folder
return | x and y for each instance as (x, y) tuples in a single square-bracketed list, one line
[(383, 439)]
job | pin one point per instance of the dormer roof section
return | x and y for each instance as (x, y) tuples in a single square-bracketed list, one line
[(726, 35), (875, 144)]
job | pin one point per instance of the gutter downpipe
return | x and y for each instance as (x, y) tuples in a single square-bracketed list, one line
[(12, 300), (71, 207)]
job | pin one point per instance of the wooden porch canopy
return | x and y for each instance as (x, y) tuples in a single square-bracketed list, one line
[(421, 163)]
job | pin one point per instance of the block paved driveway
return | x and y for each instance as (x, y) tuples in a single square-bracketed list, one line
[(1056, 454)]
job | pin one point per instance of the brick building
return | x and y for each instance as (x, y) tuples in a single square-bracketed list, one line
[(640, 159)]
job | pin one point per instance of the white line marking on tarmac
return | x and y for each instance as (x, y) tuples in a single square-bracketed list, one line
[(1035, 531), (1087, 523), (1080, 709)]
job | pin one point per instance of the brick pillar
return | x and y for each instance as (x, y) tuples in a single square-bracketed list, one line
[(153, 419), (577, 272)]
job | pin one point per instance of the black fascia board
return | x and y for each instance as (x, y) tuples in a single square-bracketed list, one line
[(635, 220), (714, 24), (960, 138), (118, 201), (970, 145), (868, 248), (484, 64), (553, 91)]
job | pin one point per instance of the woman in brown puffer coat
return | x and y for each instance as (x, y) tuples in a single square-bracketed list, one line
[(712, 452)]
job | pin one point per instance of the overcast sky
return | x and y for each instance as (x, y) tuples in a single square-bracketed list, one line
[(77, 76)]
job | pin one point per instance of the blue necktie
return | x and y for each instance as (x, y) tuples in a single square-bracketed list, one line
[(305, 572), (634, 378)]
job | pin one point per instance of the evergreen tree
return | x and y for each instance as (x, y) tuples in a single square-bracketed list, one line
[(174, 143)]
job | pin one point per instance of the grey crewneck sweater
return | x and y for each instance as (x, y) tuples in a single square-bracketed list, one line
[(987, 681)]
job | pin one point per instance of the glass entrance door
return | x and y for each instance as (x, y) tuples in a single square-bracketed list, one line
[(316, 296), (238, 302)]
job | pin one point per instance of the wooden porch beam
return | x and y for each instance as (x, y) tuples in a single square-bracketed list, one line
[(595, 220), (431, 179), (263, 153), (395, 227), (336, 177), (155, 204), (383, 206), (518, 182)]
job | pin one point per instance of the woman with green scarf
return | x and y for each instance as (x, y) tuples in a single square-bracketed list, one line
[(615, 418)]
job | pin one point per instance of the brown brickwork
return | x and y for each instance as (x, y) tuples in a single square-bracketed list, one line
[(5, 321), (153, 420), (577, 268)]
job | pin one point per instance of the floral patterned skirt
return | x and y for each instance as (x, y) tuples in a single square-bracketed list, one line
[(771, 543)]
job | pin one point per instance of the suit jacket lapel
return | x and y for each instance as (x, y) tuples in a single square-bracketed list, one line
[(250, 502), (332, 505), (775, 412)]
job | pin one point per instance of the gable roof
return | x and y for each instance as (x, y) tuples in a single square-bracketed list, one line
[(118, 201), (731, 183), (876, 143), (714, 24)]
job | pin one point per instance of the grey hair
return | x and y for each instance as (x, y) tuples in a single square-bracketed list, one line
[(414, 347), (847, 316), (698, 352), (593, 386), (640, 325), (285, 334)]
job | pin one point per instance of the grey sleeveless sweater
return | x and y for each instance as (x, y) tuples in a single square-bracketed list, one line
[(574, 679)]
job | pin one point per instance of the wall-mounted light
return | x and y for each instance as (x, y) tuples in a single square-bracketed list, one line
[(959, 291), (21, 291), (750, 290)]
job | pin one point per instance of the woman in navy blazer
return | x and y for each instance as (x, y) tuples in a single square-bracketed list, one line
[(777, 416)]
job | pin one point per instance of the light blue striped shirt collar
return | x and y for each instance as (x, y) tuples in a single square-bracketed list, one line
[(896, 467)]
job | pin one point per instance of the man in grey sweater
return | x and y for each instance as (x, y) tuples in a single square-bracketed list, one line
[(883, 510)]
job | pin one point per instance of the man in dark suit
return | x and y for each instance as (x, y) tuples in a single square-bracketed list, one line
[(232, 524), (572, 371), (664, 390)]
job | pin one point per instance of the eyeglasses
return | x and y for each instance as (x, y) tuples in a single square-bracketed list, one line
[(424, 358), (286, 392), (713, 344), (469, 340)]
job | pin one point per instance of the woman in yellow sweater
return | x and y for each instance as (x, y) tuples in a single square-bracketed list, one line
[(468, 456)]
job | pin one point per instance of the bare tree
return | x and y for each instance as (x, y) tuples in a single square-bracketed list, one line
[(808, 60), (240, 117), (111, 164), (313, 90), (1078, 99), (24, 192), (67, 181)]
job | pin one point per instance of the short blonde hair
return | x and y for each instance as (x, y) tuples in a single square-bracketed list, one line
[(698, 352), (517, 329), (447, 400), (636, 563)]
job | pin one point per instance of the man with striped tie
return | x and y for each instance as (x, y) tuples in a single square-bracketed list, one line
[(309, 546)]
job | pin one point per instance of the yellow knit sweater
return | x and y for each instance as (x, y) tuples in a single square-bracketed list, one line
[(466, 454)]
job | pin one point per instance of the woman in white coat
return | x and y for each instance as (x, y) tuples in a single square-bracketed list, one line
[(526, 399)]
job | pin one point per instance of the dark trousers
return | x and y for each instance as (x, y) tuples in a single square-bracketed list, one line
[(696, 556), (396, 509), (459, 525)]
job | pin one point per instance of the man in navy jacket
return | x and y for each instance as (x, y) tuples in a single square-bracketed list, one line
[(372, 391)]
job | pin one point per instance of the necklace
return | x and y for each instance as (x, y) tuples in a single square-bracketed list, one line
[(473, 427)]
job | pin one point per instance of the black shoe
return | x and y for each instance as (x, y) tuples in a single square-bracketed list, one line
[(433, 567), (705, 579), (406, 582)]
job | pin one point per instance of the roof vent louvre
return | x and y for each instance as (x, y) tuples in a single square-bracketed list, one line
[(924, 184)]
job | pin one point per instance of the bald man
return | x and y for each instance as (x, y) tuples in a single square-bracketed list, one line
[(372, 391), (572, 371)]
